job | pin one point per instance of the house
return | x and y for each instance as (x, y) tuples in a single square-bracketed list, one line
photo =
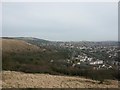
[(96, 62), (51, 61), (90, 59), (78, 63)]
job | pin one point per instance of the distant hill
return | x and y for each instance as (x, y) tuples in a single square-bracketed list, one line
[(20, 55), (32, 39), (42, 42), (14, 45)]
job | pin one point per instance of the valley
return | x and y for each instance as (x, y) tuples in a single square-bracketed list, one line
[(84, 64)]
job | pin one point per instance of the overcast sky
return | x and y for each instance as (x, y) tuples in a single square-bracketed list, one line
[(61, 21)]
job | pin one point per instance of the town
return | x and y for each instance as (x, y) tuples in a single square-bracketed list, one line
[(98, 55), (95, 55)]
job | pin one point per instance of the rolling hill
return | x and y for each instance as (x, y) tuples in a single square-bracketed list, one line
[(31, 40), (14, 45), (19, 55)]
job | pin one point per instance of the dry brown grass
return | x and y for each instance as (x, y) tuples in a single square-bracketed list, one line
[(12, 79), (13, 45)]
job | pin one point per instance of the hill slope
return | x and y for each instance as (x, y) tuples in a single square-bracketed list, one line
[(19, 55), (13, 45), (13, 79)]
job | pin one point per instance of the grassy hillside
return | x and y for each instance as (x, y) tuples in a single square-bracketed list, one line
[(19, 55), (13, 45), (12, 79)]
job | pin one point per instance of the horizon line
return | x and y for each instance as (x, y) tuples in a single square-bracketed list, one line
[(61, 40)]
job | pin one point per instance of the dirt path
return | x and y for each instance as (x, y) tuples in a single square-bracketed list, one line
[(13, 79)]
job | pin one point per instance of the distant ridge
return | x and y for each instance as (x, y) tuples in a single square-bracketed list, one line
[(39, 42), (31, 38), (34, 38), (25, 38)]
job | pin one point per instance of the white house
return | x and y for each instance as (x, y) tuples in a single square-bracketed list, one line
[(97, 62)]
